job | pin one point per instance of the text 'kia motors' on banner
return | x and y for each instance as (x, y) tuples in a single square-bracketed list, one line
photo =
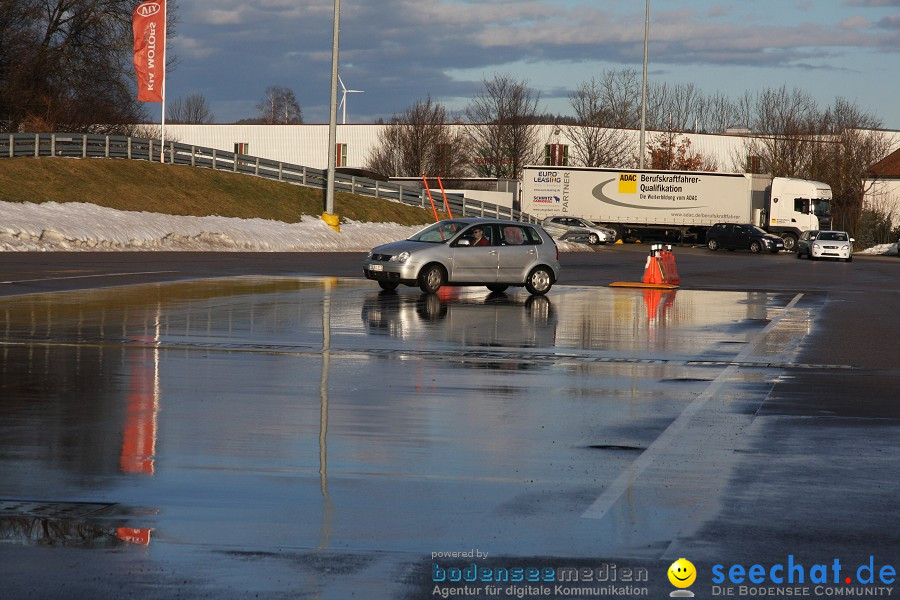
[(149, 25)]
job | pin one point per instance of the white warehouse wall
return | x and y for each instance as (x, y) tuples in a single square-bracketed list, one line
[(306, 144)]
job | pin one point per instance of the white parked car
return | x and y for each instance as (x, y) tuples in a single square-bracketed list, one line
[(815, 244), (575, 229)]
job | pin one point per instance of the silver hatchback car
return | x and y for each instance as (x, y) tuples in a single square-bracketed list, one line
[(469, 251), (577, 229)]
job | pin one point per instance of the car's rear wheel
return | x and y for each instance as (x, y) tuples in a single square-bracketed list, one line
[(712, 244), (431, 278), (594, 239), (539, 281), (497, 287), (755, 247), (390, 286)]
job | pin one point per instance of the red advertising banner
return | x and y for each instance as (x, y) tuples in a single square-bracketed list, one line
[(149, 25)]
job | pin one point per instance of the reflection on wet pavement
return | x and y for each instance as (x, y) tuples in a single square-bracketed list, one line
[(263, 414)]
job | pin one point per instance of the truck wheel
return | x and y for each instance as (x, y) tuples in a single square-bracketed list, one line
[(712, 244), (431, 278), (790, 241), (755, 247)]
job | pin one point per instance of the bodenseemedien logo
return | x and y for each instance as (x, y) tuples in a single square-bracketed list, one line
[(682, 575), (627, 183)]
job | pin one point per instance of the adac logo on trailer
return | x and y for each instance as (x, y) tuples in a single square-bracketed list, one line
[(148, 9), (628, 183)]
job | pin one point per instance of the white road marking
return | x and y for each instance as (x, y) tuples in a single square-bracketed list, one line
[(87, 276), (623, 482)]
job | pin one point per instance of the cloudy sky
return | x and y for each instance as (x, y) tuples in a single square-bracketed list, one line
[(399, 51)]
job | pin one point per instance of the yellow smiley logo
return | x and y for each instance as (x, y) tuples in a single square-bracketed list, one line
[(682, 573)]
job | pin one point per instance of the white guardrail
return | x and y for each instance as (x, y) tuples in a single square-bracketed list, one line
[(79, 145)]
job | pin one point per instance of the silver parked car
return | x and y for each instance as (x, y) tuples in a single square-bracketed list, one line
[(816, 244), (470, 251), (564, 227)]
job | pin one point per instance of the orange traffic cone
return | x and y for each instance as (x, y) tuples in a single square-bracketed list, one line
[(653, 272), (671, 268)]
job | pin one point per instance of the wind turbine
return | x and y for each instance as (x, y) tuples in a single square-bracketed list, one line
[(344, 98)]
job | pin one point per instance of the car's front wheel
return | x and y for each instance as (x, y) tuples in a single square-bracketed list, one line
[(755, 247), (712, 244), (539, 281), (431, 278), (594, 239)]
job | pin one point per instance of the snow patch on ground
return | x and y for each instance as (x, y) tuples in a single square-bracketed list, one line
[(80, 226)]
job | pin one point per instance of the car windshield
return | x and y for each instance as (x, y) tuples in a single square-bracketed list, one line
[(438, 233), (833, 236), (757, 230)]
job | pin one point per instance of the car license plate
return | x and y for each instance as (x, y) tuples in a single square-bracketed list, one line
[(376, 267)]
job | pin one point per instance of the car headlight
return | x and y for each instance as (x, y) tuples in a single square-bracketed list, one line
[(401, 258), (369, 255)]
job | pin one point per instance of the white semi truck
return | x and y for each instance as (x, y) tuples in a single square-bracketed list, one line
[(676, 204)]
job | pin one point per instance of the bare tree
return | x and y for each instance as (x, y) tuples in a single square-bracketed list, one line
[(718, 114), (280, 107), (675, 108), (620, 98), (788, 126), (420, 142), (191, 109), (837, 145), (502, 127), (67, 65), (596, 139), (852, 143)]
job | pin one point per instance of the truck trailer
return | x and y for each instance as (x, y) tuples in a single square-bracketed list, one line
[(676, 205)]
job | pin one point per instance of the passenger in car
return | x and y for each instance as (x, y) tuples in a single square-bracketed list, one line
[(512, 235)]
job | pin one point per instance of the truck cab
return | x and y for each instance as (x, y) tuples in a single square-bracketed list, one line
[(797, 205)]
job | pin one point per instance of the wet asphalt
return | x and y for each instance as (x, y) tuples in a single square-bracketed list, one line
[(272, 425)]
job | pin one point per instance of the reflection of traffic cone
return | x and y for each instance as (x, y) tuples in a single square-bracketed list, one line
[(651, 300)]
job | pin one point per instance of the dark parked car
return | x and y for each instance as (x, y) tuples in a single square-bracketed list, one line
[(744, 236)]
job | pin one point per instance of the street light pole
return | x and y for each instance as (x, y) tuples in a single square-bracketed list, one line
[(644, 87), (328, 216)]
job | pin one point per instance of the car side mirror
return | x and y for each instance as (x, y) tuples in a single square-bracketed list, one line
[(852, 240)]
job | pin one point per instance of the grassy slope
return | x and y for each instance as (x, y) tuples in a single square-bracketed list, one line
[(183, 190)]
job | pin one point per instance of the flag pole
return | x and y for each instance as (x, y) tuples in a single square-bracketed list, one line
[(162, 148)]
